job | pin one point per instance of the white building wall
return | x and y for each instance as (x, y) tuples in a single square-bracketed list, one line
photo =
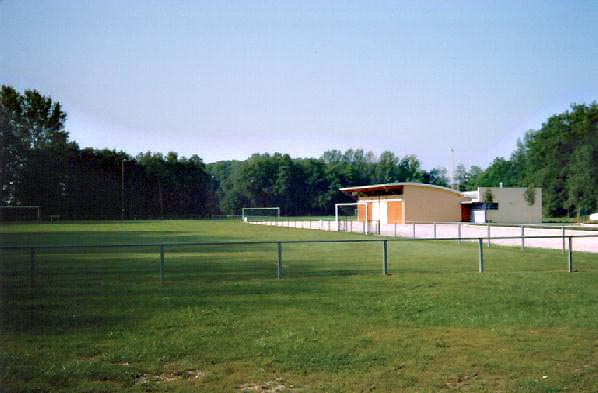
[(479, 216), (383, 212), (512, 206), (376, 210)]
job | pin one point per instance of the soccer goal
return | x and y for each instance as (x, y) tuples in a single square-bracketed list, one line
[(260, 213), (346, 216), (20, 213)]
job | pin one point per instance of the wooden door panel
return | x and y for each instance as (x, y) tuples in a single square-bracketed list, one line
[(361, 212), (394, 213)]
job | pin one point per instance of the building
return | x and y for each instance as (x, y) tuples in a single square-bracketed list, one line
[(401, 203), (505, 205)]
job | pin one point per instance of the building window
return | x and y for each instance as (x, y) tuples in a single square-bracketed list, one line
[(484, 206)]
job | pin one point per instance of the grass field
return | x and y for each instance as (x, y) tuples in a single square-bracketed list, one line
[(99, 320)]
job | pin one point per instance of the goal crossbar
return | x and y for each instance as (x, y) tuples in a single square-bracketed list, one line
[(36, 208), (246, 210), (337, 205)]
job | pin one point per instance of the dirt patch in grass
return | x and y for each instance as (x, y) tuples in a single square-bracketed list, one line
[(273, 386), (146, 379)]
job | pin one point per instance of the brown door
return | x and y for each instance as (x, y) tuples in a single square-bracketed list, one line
[(361, 212), (465, 213), (394, 212)]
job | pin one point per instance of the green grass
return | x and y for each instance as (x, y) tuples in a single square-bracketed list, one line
[(99, 320)]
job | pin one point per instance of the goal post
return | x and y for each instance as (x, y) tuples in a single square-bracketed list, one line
[(355, 214), (257, 213), (20, 213)]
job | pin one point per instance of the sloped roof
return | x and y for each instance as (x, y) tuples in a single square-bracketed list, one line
[(396, 186)]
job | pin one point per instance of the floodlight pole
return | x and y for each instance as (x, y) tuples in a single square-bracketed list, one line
[(122, 189)]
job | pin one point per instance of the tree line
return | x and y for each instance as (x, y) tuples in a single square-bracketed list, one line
[(306, 186), (41, 166)]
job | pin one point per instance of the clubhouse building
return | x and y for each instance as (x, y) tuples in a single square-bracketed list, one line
[(403, 203)]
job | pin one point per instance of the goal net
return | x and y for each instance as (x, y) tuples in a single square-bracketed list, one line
[(346, 216), (249, 214), (20, 213)]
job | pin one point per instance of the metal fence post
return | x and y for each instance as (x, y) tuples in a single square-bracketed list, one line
[(385, 258), (434, 230), (328, 225), (395, 229), (563, 234), (414, 230), (523, 237), (570, 255), (459, 231), (481, 254), (161, 263), (32, 268), (279, 265), (488, 236)]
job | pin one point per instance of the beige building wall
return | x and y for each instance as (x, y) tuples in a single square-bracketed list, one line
[(428, 204), (512, 206), (420, 204)]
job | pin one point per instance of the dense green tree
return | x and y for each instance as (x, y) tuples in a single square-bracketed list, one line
[(561, 158), (410, 169), (31, 135), (437, 176), (499, 171), (462, 178), (386, 169)]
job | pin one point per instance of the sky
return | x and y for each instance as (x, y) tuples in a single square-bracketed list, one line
[(225, 79)]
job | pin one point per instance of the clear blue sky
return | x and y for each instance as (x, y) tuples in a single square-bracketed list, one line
[(224, 79)]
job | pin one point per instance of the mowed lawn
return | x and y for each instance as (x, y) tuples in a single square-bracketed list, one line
[(98, 320)]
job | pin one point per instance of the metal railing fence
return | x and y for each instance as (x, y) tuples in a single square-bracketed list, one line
[(161, 248), (316, 219), (432, 229)]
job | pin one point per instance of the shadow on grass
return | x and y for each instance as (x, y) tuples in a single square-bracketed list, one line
[(94, 238)]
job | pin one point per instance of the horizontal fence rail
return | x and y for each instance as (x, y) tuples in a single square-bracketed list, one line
[(248, 242), (316, 219), (33, 249)]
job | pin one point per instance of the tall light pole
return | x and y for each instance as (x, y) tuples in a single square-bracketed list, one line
[(122, 189), (453, 168)]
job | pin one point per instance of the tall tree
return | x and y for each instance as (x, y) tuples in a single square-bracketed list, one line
[(29, 124), (32, 136)]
